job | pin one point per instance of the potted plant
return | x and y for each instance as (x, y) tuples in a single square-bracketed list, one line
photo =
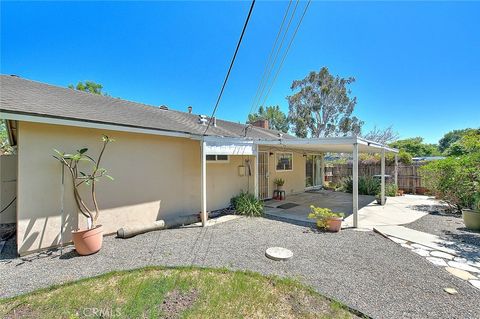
[(471, 217), (279, 182), (85, 171), (326, 219)]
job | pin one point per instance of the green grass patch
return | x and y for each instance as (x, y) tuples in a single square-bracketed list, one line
[(155, 292)]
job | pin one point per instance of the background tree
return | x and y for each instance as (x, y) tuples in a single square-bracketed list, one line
[(385, 136), (450, 138), (276, 118), (416, 147), (5, 147), (322, 106), (89, 86), (467, 144)]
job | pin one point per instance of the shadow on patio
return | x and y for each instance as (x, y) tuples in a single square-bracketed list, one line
[(295, 208)]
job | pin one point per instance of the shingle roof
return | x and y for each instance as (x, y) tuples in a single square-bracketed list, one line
[(23, 96)]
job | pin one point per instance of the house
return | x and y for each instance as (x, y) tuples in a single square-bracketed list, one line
[(163, 162)]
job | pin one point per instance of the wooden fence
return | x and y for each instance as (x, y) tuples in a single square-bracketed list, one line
[(409, 179)]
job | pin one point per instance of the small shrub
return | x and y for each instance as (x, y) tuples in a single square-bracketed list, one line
[(391, 190), (321, 215), (247, 204), (366, 185)]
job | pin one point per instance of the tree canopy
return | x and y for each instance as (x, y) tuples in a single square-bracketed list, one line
[(450, 138), (276, 118), (416, 147), (89, 86), (322, 106)]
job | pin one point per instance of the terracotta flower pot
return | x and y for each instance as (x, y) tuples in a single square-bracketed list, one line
[(471, 219), (88, 241), (334, 224)]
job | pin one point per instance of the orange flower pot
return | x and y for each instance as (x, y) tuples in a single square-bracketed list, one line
[(88, 241), (334, 224)]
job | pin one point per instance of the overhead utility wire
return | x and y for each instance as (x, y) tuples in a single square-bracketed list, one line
[(231, 65), (286, 52), (267, 66), (257, 104)]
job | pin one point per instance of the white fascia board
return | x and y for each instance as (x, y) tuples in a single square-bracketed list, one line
[(311, 141), (228, 146), (369, 143), (100, 126)]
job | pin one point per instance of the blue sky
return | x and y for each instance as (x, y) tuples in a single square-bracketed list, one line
[(417, 64)]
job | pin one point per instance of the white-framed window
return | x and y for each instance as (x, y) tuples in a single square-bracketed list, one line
[(218, 158), (283, 162)]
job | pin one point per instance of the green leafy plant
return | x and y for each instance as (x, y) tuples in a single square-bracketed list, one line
[(366, 185), (247, 204), (279, 182), (455, 180), (321, 215), (80, 176), (391, 189)]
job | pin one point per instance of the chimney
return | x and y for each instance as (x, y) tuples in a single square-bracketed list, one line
[(190, 109), (261, 123)]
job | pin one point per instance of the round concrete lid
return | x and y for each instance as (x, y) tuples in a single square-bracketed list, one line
[(278, 253)]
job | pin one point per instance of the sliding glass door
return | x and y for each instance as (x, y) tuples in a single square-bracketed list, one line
[(313, 171)]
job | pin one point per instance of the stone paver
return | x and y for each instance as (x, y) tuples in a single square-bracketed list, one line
[(441, 254), (278, 253), (475, 283), (421, 252), (462, 274), (437, 261), (463, 266)]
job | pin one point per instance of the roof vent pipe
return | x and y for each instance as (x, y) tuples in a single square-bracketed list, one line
[(189, 109), (214, 121), (163, 107), (202, 119)]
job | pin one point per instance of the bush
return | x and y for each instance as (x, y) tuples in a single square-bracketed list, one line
[(366, 185), (321, 215), (391, 190), (455, 180), (247, 204)]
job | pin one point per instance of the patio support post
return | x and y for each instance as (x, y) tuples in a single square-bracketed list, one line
[(355, 185), (322, 168), (396, 169), (383, 177), (203, 183), (255, 179)]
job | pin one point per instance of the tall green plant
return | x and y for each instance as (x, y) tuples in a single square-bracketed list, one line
[(80, 177), (366, 185), (247, 204), (456, 180)]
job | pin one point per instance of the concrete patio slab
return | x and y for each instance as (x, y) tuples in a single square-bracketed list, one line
[(414, 236)]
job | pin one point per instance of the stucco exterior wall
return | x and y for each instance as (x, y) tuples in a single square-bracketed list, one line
[(155, 176), (294, 179)]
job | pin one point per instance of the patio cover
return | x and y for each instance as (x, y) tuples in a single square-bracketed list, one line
[(211, 145)]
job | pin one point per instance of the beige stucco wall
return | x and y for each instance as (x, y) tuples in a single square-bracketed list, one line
[(155, 176), (8, 188), (294, 179)]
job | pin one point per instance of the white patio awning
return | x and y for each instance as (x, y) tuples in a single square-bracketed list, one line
[(228, 146)]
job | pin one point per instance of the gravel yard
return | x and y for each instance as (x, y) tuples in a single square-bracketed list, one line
[(448, 226), (361, 269)]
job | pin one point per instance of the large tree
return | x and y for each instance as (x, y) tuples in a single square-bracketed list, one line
[(322, 106), (89, 86), (277, 120), (450, 138), (416, 147)]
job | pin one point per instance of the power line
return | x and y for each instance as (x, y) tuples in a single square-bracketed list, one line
[(231, 65), (257, 104), (269, 58), (286, 52)]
